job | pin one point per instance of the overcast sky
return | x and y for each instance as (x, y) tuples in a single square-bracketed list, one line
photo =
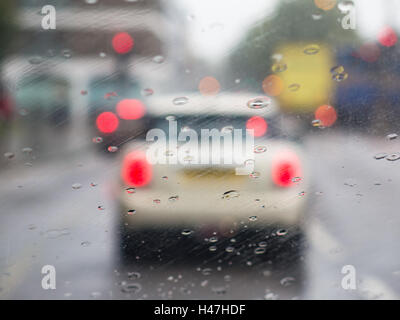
[(216, 25)]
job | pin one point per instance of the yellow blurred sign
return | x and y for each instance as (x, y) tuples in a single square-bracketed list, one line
[(307, 79)]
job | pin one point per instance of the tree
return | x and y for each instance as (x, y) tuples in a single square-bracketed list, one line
[(293, 21)]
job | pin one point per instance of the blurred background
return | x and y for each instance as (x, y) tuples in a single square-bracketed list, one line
[(337, 89)]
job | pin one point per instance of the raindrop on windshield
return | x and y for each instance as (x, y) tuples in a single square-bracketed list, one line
[(76, 186), (180, 101), (158, 59), (112, 149), (259, 103), (230, 194), (311, 49)]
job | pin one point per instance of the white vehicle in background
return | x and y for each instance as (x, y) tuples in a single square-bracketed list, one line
[(210, 201)]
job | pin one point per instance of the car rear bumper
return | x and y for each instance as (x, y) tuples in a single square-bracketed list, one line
[(191, 209)]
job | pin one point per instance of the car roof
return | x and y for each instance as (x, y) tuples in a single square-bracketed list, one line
[(230, 104)]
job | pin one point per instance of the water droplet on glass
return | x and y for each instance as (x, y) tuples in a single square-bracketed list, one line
[(131, 288), (253, 218), (76, 186), (36, 60), (345, 6), (260, 149), (271, 296), (134, 275), (230, 194), (303, 193), (173, 198), (317, 123), (294, 87), (229, 249), (391, 136), (380, 156), (338, 77), (259, 103), (254, 175), (85, 243), (9, 155), (112, 149), (187, 232), (279, 67), (213, 239), (56, 233), (131, 212), (84, 92), (130, 190), (296, 179), (67, 54), (180, 101), (219, 290), (147, 92), (281, 232), (213, 248), (157, 201), (287, 281), (93, 184), (316, 17), (110, 95), (101, 208), (260, 250), (393, 157), (158, 59), (27, 150), (262, 244), (311, 49), (237, 81), (165, 178), (97, 140), (102, 55)]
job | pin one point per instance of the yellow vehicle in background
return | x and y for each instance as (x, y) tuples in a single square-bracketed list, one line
[(306, 76)]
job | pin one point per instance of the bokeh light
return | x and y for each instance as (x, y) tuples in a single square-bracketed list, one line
[(122, 43), (285, 168), (325, 4), (136, 170), (130, 109), (326, 114), (273, 85), (387, 37), (369, 52), (258, 124), (209, 86), (107, 122)]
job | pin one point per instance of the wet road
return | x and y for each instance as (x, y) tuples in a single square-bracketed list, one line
[(352, 220)]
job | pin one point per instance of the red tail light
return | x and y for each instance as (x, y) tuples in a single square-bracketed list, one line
[(107, 122), (136, 170), (258, 124), (285, 167)]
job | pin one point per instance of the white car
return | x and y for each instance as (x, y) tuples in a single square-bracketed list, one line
[(167, 185)]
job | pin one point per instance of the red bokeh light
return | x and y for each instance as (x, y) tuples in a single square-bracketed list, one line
[(368, 52), (122, 43), (387, 37), (258, 124), (326, 114), (130, 109), (285, 167), (136, 171), (107, 122)]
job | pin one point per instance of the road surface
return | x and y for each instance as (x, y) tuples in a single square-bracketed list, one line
[(353, 219)]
